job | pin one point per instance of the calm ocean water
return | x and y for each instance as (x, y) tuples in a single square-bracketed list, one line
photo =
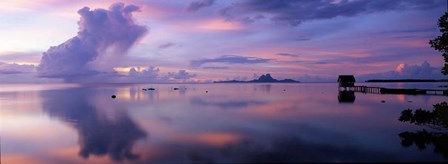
[(72, 123)]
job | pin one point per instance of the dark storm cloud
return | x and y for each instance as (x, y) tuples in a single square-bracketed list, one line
[(288, 55), (407, 31), (230, 59), (166, 45), (211, 67), (321, 62), (375, 56), (196, 5), (104, 37), (294, 12)]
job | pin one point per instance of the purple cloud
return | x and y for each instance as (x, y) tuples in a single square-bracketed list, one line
[(213, 67), (288, 55), (230, 59), (196, 5), (166, 45), (16, 68), (294, 12), (406, 71), (104, 37), (135, 75), (27, 57), (21, 73), (311, 78), (181, 75), (151, 72)]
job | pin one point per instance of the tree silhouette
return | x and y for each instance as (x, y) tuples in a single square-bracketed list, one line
[(441, 42)]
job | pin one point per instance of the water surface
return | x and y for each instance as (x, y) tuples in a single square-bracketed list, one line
[(72, 123)]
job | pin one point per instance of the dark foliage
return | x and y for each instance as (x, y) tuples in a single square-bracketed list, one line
[(441, 42)]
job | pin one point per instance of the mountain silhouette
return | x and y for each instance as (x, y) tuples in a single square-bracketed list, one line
[(262, 79)]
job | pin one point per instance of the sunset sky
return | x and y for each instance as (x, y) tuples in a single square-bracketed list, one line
[(206, 40)]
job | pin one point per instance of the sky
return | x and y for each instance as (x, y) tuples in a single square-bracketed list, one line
[(196, 41)]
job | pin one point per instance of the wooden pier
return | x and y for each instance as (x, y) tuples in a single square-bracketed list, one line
[(380, 90), (347, 84)]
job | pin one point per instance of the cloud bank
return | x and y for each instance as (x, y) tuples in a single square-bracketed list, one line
[(294, 12), (288, 55), (104, 37), (180, 75), (21, 73), (151, 72), (230, 59), (196, 5), (16, 68), (406, 71), (166, 45)]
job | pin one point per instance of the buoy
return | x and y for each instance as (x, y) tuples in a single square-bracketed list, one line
[(206, 91), (113, 96), (383, 101)]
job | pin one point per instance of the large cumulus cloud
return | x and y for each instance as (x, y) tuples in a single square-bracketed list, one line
[(104, 37)]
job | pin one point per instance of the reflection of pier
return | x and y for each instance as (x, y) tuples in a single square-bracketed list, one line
[(380, 90)]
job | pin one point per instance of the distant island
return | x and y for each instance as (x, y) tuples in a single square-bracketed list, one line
[(405, 80), (262, 79)]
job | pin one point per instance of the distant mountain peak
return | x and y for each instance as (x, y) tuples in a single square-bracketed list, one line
[(267, 78)]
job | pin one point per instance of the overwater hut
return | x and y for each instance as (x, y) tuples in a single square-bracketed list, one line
[(346, 81)]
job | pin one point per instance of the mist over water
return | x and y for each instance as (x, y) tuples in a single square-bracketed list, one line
[(207, 123)]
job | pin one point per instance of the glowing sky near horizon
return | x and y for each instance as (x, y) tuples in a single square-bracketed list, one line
[(206, 40)]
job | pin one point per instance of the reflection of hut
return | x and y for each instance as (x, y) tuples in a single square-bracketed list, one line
[(346, 97), (346, 81)]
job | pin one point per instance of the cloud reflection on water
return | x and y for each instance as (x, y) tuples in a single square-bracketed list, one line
[(305, 123), (99, 134), (228, 104)]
